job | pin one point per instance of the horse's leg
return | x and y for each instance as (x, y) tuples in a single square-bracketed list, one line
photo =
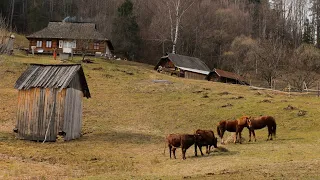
[(222, 133), (269, 132), (183, 153), (195, 150), (170, 147), (200, 148), (249, 135), (174, 152), (239, 130), (254, 136)]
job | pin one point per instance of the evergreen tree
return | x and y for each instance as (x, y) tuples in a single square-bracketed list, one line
[(308, 33), (125, 31)]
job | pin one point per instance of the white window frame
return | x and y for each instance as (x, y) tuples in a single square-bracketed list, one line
[(39, 43), (48, 44)]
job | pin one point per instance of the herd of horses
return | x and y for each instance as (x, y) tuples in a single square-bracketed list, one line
[(207, 138)]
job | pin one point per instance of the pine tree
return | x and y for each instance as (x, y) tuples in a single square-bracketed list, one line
[(308, 33), (125, 32)]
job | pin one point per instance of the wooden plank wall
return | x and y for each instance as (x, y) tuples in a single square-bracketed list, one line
[(191, 75), (73, 110), (35, 109)]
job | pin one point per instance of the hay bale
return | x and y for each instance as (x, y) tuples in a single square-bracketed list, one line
[(230, 138)]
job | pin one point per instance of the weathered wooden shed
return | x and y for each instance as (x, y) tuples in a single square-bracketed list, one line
[(219, 75), (50, 102), (188, 67)]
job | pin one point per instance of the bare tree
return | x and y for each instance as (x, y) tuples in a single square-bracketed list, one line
[(270, 56), (176, 10), (304, 66)]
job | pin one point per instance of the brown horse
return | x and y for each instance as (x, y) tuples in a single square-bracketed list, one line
[(232, 126), (223, 126), (261, 122), (242, 123)]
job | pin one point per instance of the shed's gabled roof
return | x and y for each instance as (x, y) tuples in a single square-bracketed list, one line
[(56, 76), (188, 63), (68, 30), (229, 75)]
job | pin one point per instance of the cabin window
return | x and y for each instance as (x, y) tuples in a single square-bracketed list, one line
[(39, 43), (60, 43), (96, 46), (48, 44), (74, 44)]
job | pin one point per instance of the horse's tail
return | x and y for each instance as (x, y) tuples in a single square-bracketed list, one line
[(274, 129)]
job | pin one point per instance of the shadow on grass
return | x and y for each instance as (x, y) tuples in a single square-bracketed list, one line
[(124, 137), (220, 151)]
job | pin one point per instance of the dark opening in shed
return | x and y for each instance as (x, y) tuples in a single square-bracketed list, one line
[(50, 102)]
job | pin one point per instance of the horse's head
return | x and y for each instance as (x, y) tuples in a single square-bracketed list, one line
[(249, 122), (215, 142), (242, 121)]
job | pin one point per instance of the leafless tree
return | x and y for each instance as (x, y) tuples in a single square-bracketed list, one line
[(304, 66)]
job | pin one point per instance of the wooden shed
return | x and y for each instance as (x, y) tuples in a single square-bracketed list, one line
[(50, 102), (219, 75), (183, 66)]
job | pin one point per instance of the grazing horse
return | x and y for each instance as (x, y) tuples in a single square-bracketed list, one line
[(242, 123), (261, 122), (184, 141), (207, 139), (224, 125)]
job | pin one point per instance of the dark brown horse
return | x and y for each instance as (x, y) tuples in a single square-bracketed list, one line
[(261, 122), (232, 126)]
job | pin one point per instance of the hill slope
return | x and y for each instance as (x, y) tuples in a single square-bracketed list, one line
[(130, 113)]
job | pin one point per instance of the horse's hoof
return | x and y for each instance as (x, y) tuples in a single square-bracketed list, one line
[(249, 141)]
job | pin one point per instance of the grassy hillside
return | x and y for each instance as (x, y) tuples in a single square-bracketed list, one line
[(129, 114)]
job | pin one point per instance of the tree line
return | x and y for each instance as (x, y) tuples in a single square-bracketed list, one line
[(268, 39)]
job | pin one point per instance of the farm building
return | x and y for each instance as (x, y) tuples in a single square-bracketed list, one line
[(50, 102), (67, 37), (183, 66), (219, 75)]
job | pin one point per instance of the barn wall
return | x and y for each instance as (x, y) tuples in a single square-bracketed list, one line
[(36, 107), (73, 110), (192, 75)]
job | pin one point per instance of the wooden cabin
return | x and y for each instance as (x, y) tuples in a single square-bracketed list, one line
[(183, 66), (50, 102), (70, 37), (218, 75)]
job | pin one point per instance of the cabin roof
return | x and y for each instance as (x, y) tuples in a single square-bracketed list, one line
[(187, 63), (68, 30), (56, 76)]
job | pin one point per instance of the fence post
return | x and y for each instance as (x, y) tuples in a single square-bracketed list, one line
[(318, 89), (289, 88)]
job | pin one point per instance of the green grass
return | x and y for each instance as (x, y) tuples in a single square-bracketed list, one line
[(128, 116)]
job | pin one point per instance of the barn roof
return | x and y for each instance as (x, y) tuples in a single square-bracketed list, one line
[(68, 30), (229, 75), (187, 63), (56, 76)]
